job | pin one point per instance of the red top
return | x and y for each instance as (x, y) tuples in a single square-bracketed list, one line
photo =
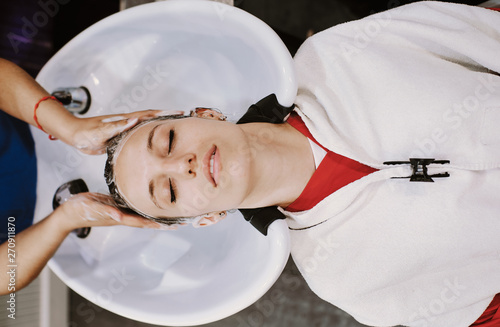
[(334, 172), (491, 317)]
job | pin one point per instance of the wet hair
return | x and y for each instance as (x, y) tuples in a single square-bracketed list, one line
[(109, 174)]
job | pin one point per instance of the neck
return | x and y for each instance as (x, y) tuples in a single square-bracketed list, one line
[(282, 164)]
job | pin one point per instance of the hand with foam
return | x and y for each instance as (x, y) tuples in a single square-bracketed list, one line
[(89, 135), (95, 209)]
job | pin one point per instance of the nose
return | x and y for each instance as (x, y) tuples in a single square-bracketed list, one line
[(185, 165)]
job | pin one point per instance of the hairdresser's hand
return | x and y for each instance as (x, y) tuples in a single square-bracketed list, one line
[(95, 209), (90, 134)]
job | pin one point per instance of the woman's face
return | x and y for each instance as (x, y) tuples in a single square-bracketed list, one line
[(183, 167)]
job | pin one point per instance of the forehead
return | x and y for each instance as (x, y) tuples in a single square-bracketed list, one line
[(139, 131), (147, 126), (193, 122), (127, 159)]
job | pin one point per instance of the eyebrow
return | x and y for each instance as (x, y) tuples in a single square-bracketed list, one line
[(151, 183), (152, 195), (150, 141)]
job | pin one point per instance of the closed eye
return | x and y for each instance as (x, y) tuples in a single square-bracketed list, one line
[(173, 191), (170, 140)]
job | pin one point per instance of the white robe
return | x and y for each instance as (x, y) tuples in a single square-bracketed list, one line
[(416, 81)]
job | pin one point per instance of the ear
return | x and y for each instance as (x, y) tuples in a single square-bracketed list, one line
[(208, 113), (210, 219)]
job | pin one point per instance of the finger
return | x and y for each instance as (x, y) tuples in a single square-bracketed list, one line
[(169, 113), (145, 114), (94, 196), (165, 227), (92, 141), (92, 209), (111, 119), (138, 221), (98, 151), (112, 128), (135, 220), (120, 123), (111, 215)]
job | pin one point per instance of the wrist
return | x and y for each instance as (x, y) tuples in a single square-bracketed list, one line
[(56, 120), (60, 222)]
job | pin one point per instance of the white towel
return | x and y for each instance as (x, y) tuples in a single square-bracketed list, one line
[(416, 81)]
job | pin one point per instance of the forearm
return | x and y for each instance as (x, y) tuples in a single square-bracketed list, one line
[(32, 249), (19, 93), (37, 244)]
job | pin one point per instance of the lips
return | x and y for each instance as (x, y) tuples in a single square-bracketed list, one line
[(211, 165)]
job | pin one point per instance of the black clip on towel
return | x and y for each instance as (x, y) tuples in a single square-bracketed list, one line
[(419, 167)]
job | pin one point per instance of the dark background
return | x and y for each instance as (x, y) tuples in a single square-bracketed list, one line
[(31, 44)]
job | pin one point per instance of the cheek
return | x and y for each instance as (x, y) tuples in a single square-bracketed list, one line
[(132, 196), (132, 182), (199, 198)]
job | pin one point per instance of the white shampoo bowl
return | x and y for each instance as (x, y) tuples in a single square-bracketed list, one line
[(167, 55)]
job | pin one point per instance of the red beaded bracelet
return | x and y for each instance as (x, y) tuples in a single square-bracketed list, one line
[(35, 117)]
